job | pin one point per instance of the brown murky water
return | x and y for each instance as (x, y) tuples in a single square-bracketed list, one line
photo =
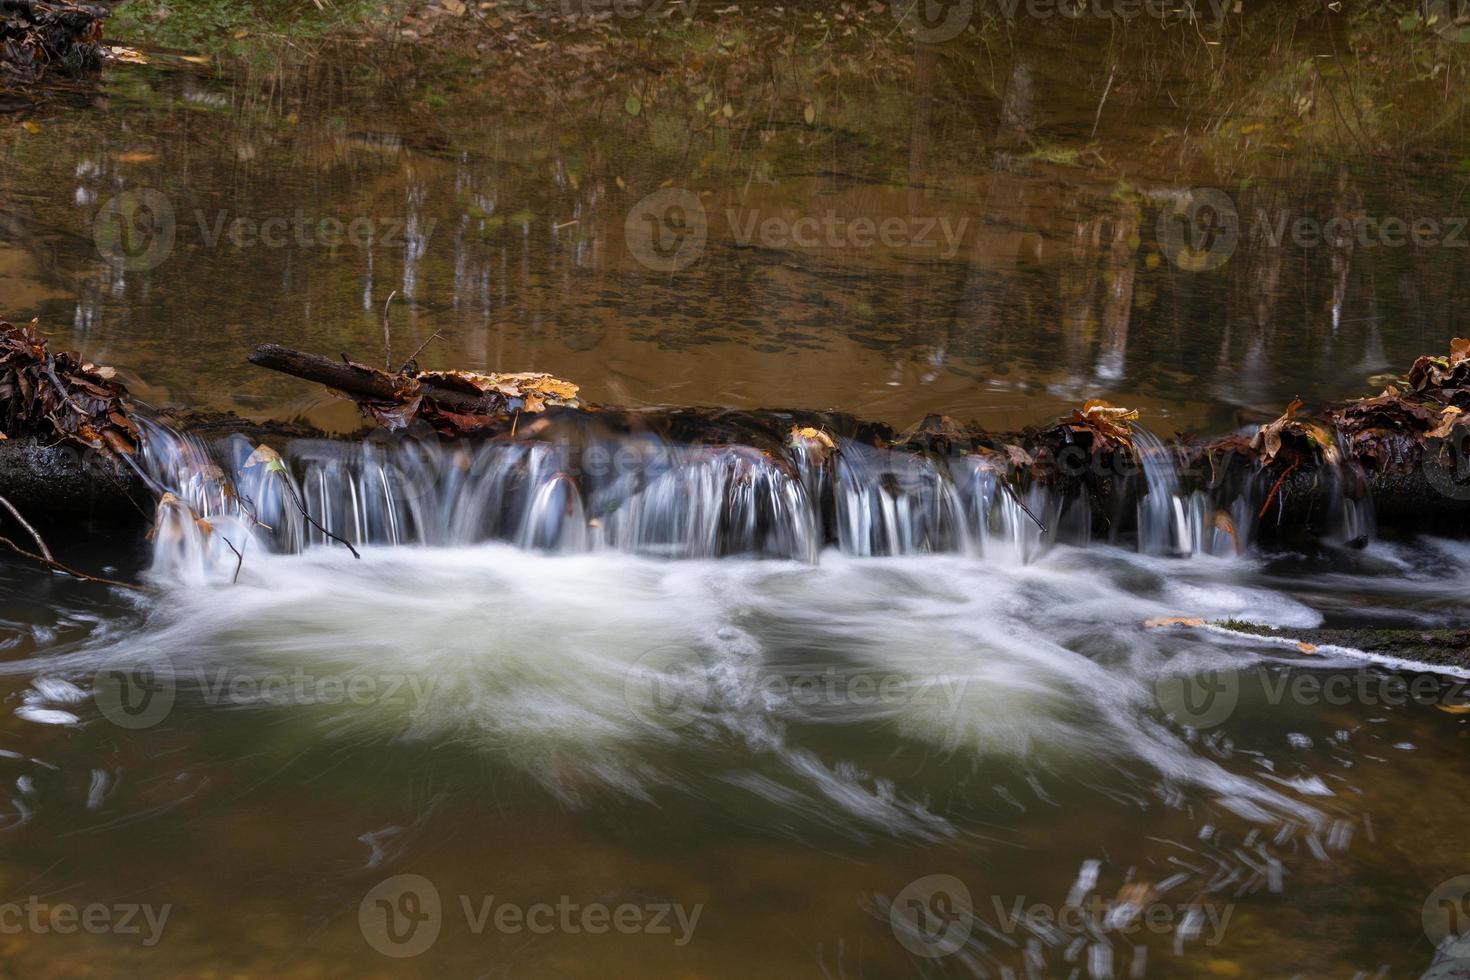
[(925, 243)]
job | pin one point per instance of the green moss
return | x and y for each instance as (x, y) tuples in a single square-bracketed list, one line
[(1431, 646)]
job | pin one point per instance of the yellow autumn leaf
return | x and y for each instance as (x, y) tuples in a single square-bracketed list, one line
[(1160, 621), (1097, 406), (128, 56)]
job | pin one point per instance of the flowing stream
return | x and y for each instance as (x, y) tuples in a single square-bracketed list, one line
[(837, 712), (944, 682)]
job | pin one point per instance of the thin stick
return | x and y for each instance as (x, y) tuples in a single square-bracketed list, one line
[(1277, 486), (239, 559), (35, 535), (1016, 499), (291, 491), (1106, 89), (387, 335), (436, 335), (58, 566)]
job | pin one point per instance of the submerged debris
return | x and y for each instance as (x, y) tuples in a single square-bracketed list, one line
[(38, 36), (453, 402), (499, 394), (61, 397)]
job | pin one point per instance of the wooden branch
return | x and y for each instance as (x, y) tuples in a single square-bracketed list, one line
[(67, 569), (35, 535), (357, 380)]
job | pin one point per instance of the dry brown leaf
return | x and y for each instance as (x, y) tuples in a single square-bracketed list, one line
[(1267, 439), (1160, 621), (1448, 419), (1018, 456), (1306, 647)]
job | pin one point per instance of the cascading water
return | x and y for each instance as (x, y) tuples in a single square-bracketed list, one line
[(1171, 521), (659, 499)]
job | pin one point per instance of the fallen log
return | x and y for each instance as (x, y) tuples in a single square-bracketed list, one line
[(454, 401), (73, 431), (1405, 449)]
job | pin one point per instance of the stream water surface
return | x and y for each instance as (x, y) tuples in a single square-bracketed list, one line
[(661, 726)]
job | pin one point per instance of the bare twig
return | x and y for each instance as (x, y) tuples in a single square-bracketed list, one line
[(436, 335), (67, 569), (387, 335), (1277, 486), (1016, 499), (35, 535), (1106, 89), (239, 558), (291, 492)]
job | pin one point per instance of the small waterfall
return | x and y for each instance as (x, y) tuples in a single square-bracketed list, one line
[(1000, 526), (1173, 522), (641, 494), (658, 499), (1353, 520), (1165, 524), (895, 504)]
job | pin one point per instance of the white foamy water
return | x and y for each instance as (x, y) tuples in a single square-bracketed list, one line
[(527, 608), (613, 671)]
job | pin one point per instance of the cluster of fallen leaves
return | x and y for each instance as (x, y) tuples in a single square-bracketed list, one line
[(1105, 423), (60, 396), (1273, 438), (459, 402), (1389, 428), (1444, 379), (38, 35)]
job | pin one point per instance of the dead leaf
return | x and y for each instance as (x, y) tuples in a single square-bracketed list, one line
[(807, 433), (127, 56), (1448, 419), (265, 456), (1160, 621), (1306, 647), (1267, 439), (1018, 456)]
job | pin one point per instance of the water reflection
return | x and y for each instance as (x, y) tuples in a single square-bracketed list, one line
[(998, 283)]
